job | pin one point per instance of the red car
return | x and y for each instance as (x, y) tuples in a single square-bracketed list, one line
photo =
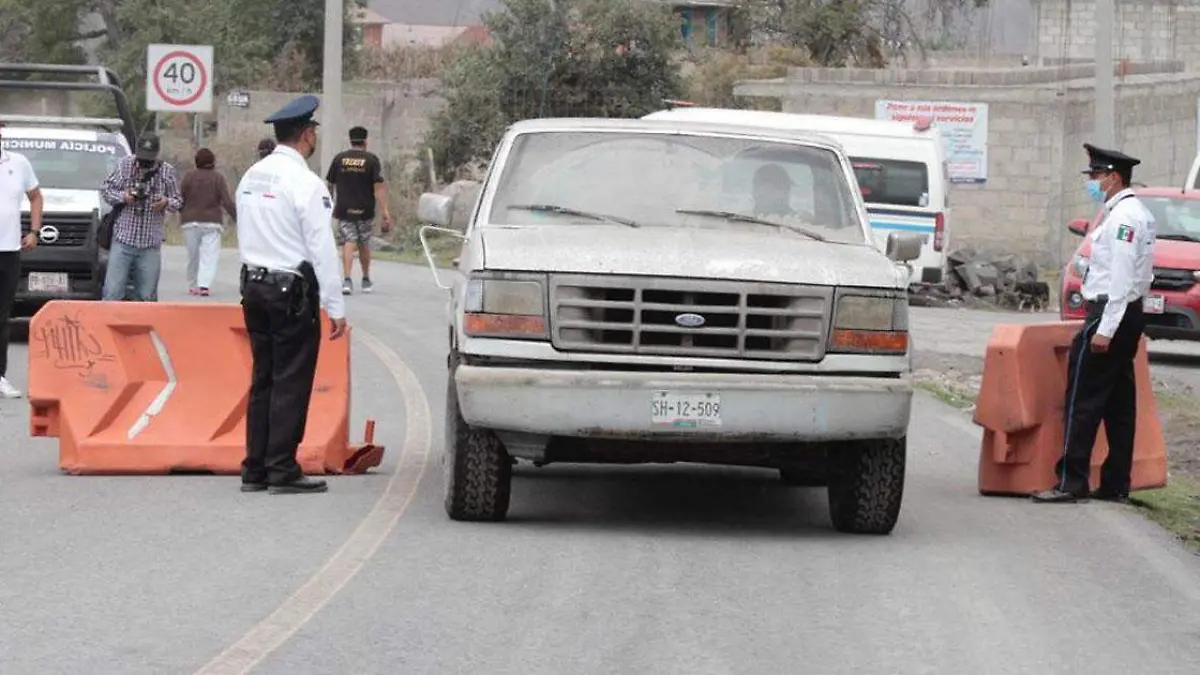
[(1173, 306)]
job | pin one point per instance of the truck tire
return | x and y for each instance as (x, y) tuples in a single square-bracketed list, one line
[(477, 468), (866, 485)]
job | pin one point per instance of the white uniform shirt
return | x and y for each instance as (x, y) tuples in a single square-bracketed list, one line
[(16, 180), (1122, 261), (284, 218)]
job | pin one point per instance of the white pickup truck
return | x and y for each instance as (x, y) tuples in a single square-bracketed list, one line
[(675, 291)]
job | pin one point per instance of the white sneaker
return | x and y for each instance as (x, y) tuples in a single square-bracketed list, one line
[(7, 390)]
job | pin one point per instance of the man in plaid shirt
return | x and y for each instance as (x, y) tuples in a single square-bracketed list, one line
[(145, 189)]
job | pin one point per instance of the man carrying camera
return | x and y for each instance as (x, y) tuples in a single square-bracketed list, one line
[(143, 189)]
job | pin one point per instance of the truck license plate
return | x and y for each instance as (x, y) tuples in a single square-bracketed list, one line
[(48, 282), (685, 410), (1154, 304)]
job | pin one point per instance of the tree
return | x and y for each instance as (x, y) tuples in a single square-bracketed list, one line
[(252, 41), (555, 58), (858, 33)]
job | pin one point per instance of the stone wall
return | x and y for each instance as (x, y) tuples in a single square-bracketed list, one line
[(1037, 123)]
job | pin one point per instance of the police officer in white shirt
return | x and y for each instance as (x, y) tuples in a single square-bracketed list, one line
[(1100, 379), (289, 269), (17, 181)]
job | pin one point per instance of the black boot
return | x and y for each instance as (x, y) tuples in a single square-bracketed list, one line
[(301, 485)]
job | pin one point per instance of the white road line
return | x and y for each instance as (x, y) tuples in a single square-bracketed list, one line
[(159, 401), (269, 634)]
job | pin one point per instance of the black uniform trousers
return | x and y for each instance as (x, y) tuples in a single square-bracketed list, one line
[(10, 278), (282, 315), (1101, 387)]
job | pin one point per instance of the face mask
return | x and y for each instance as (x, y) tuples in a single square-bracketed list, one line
[(1095, 191)]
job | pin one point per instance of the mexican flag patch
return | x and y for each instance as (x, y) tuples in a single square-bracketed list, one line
[(1125, 233)]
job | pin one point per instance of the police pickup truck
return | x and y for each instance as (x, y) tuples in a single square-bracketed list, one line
[(71, 156)]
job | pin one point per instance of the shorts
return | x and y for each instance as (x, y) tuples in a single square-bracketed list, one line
[(357, 231)]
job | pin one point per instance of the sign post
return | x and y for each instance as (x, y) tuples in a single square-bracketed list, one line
[(179, 78)]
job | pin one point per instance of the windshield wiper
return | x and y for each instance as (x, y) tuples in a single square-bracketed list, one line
[(743, 218), (555, 208), (1178, 237)]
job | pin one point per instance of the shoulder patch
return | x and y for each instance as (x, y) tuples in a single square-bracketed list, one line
[(329, 205), (1125, 233)]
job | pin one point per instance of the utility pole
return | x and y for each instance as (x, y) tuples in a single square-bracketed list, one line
[(1105, 115), (330, 114)]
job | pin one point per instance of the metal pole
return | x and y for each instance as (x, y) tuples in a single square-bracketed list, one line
[(1105, 131), (330, 114)]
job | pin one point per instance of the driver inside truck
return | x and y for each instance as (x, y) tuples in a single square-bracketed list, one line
[(772, 191)]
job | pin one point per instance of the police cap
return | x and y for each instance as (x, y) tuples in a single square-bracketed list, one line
[(1100, 159), (358, 134), (299, 111)]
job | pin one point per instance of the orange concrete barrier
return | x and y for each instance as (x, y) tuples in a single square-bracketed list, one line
[(1021, 406), (157, 388)]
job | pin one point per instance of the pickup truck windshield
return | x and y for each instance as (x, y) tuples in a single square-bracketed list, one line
[(68, 164), (657, 179)]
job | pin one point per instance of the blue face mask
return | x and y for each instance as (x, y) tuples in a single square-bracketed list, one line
[(1095, 191)]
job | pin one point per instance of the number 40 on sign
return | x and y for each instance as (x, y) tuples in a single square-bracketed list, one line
[(179, 78)]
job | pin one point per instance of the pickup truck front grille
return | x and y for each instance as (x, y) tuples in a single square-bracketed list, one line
[(650, 316), (1168, 279), (74, 229)]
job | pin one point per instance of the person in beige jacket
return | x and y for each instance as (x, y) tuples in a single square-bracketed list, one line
[(205, 193)]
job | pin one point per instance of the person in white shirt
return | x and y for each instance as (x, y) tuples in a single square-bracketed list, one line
[(17, 182), (1100, 377), (290, 268)]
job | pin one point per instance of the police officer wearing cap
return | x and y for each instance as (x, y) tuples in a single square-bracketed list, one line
[(1100, 379), (289, 269)]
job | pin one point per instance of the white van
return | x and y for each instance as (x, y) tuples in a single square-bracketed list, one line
[(900, 167)]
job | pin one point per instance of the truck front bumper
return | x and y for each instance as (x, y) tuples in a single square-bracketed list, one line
[(617, 405)]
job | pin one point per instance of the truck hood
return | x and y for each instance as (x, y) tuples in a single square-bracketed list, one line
[(774, 257), (68, 201)]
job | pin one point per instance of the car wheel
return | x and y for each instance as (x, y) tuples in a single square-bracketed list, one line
[(478, 470), (866, 485)]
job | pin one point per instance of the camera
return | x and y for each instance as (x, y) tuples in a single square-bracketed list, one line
[(140, 190)]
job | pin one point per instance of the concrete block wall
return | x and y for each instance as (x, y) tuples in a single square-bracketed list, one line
[(1144, 30), (1036, 133), (396, 116)]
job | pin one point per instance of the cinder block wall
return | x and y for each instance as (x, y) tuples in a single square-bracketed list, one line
[(1037, 124), (1144, 30), (396, 116)]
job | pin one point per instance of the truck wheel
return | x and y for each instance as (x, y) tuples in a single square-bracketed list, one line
[(866, 485), (477, 467)]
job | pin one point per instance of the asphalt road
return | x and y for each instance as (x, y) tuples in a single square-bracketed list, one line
[(599, 570)]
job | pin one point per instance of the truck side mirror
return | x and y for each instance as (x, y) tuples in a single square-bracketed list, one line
[(903, 247), (1078, 226), (435, 209)]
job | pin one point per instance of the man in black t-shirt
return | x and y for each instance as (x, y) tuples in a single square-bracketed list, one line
[(355, 178)]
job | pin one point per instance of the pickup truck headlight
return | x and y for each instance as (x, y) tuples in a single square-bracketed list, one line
[(869, 322), (506, 305), (1079, 264)]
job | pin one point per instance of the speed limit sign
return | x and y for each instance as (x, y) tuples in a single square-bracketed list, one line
[(179, 78)]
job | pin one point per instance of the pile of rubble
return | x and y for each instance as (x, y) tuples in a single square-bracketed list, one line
[(977, 278)]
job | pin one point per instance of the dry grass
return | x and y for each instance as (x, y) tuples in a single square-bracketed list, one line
[(406, 63), (713, 73)]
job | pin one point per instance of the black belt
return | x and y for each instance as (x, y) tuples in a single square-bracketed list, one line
[(263, 275)]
